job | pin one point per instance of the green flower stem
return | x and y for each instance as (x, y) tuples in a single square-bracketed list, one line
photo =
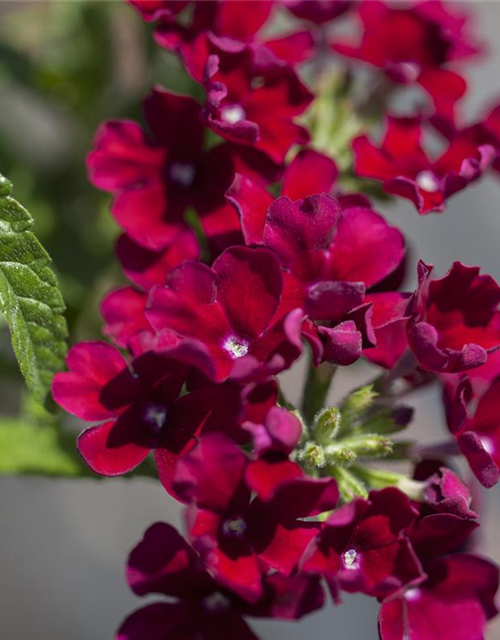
[(380, 479), (350, 486), (316, 389)]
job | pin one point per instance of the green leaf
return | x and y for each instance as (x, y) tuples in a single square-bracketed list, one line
[(30, 298), (36, 450)]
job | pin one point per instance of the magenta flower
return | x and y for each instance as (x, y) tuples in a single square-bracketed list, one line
[(202, 609), (230, 318), (455, 602), (362, 546), (414, 44), (139, 408), (155, 179), (407, 171), (240, 538)]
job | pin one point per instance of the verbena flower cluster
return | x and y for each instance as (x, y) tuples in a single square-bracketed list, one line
[(247, 245)]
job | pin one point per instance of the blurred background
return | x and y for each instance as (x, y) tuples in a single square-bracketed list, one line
[(64, 68)]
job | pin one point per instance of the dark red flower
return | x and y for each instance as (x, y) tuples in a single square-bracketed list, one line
[(203, 609), (455, 323), (330, 254), (155, 179), (407, 171), (274, 438), (154, 9), (361, 546), (391, 312), (123, 311), (139, 408), (229, 317), (319, 11), (239, 538), (240, 86), (414, 44), (451, 324), (308, 174), (145, 267), (454, 602), (445, 519), (477, 431)]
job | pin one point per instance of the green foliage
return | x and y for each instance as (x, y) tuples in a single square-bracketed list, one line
[(30, 299), (31, 449)]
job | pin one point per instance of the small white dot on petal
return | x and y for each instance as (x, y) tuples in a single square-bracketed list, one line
[(182, 173), (236, 347), (412, 594), (350, 559), (427, 181), (155, 416), (234, 527), (233, 114)]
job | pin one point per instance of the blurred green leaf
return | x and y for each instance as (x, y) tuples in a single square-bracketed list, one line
[(30, 298), (34, 450)]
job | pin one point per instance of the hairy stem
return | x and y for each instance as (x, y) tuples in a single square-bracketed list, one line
[(316, 389)]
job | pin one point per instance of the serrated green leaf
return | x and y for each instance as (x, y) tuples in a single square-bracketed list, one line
[(35, 450), (30, 299)]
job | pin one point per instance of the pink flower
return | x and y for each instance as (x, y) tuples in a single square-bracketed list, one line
[(139, 408), (362, 547), (202, 609), (414, 44), (407, 171), (239, 538), (229, 317)]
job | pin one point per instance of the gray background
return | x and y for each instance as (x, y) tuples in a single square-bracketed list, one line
[(64, 543)]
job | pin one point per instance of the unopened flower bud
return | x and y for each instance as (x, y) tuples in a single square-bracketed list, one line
[(356, 404), (326, 424)]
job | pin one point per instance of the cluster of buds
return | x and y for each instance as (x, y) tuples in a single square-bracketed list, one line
[(248, 239)]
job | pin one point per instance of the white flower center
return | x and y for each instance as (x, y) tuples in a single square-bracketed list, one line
[(236, 347), (412, 594), (155, 415), (427, 181), (410, 70), (216, 602), (233, 114), (234, 527), (350, 559), (182, 173)]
